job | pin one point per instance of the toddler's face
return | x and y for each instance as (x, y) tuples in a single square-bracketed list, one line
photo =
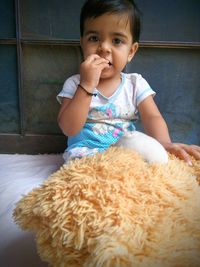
[(109, 36)]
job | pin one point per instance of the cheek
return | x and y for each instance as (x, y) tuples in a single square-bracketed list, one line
[(87, 51), (120, 58)]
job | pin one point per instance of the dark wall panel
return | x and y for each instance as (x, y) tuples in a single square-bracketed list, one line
[(7, 19), (174, 75), (170, 20), (9, 112), (45, 70), (50, 19)]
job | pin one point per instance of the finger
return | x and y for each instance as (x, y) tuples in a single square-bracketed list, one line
[(193, 151), (179, 151), (101, 60), (195, 147), (182, 154), (92, 57)]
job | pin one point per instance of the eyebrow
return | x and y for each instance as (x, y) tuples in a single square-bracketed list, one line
[(91, 32), (120, 34)]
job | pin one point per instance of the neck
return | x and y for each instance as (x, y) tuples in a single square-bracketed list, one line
[(108, 86)]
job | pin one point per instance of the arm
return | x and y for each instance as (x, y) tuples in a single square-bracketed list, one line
[(73, 112), (155, 126), (152, 120)]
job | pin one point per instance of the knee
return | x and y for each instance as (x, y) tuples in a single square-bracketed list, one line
[(149, 148)]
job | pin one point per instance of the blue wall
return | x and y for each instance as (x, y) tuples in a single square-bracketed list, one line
[(39, 49)]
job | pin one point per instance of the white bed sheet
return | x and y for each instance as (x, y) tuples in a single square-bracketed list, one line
[(19, 174)]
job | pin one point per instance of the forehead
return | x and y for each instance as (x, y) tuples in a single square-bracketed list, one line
[(108, 22)]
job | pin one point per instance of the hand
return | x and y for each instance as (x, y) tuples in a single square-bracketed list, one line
[(183, 151), (90, 71)]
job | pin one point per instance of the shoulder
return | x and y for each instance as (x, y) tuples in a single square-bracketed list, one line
[(69, 87), (136, 81), (134, 78), (74, 79), (139, 85)]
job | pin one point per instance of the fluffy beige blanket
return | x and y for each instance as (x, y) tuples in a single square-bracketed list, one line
[(114, 209)]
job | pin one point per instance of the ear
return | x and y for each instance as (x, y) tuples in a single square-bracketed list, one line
[(133, 50)]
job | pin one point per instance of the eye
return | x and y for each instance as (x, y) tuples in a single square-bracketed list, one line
[(93, 38), (117, 41)]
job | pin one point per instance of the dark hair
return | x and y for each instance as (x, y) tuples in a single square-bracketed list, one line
[(96, 8)]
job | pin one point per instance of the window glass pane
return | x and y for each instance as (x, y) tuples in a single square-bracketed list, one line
[(174, 75), (43, 19), (7, 19), (171, 20), (45, 70), (9, 113)]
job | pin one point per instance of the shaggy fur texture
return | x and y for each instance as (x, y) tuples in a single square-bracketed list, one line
[(114, 209)]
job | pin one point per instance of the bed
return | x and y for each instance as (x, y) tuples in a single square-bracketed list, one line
[(18, 175), (89, 214)]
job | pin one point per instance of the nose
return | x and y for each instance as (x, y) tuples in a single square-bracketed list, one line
[(104, 47)]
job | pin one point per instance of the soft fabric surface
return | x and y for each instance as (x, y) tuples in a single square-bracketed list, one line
[(19, 174), (114, 209)]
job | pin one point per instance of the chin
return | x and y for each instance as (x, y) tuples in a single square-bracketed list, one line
[(105, 76), (107, 73)]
